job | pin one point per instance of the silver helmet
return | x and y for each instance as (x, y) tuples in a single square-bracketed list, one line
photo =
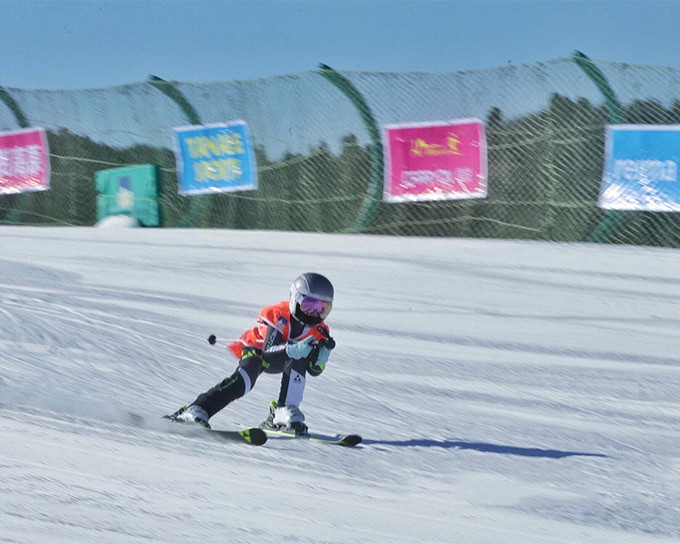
[(311, 298)]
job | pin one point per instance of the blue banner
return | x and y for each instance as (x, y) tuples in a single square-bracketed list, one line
[(641, 168), (215, 158)]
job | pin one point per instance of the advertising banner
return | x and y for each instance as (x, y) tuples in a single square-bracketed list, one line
[(24, 161), (441, 160), (129, 190), (641, 168), (215, 158)]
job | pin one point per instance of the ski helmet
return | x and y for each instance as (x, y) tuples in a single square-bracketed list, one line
[(311, 298)]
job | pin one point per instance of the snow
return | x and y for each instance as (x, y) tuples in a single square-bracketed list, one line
[(507, 391)]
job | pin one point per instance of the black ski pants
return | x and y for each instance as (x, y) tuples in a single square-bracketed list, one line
[(250, 366)]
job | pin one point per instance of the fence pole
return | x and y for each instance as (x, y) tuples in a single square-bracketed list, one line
[(369, 207), (199, 204), (604, 231)]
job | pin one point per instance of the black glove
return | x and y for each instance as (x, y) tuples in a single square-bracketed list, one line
[(319, 356)]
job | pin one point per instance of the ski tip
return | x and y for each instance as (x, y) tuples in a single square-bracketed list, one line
[(350, 440), (254, 436)]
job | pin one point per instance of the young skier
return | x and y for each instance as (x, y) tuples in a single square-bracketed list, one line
[(290, 338)]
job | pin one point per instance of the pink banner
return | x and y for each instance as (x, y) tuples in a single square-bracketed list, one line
[(442, 160), (24, 161)]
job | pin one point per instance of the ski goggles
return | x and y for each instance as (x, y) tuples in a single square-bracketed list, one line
[(315, 306)]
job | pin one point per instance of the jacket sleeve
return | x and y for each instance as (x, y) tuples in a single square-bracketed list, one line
[(274, 347)]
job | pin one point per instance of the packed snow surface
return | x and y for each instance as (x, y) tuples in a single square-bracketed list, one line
[(507, 391)]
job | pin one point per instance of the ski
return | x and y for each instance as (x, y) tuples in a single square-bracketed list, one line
[(347, 440), (253, 436)]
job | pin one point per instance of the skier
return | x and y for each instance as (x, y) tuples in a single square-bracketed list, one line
[(290, 338)]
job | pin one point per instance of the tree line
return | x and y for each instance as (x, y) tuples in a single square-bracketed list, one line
[(544, 174)]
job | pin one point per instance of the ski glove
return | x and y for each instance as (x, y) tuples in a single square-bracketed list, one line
[(322, 359), (319, 365), (301, 349)]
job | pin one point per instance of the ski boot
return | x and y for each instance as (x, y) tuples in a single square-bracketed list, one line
[(190, 414), (287, 419)]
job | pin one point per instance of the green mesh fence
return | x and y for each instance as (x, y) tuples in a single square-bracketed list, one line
[(320, 164)]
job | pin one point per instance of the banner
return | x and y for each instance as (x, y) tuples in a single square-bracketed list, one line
[(215, 158), (442, 160), (129, 190), (641, 168), (24, 161)]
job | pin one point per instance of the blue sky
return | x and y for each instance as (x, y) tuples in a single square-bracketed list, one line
[(92, 44)]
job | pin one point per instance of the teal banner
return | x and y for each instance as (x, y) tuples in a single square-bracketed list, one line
[(132, 191)]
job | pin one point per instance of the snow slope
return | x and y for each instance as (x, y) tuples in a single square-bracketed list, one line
[(507, 392)]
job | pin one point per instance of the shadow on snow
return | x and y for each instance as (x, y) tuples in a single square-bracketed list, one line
[(482, 447)]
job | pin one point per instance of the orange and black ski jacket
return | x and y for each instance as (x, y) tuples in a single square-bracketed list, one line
[(278, 317)]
